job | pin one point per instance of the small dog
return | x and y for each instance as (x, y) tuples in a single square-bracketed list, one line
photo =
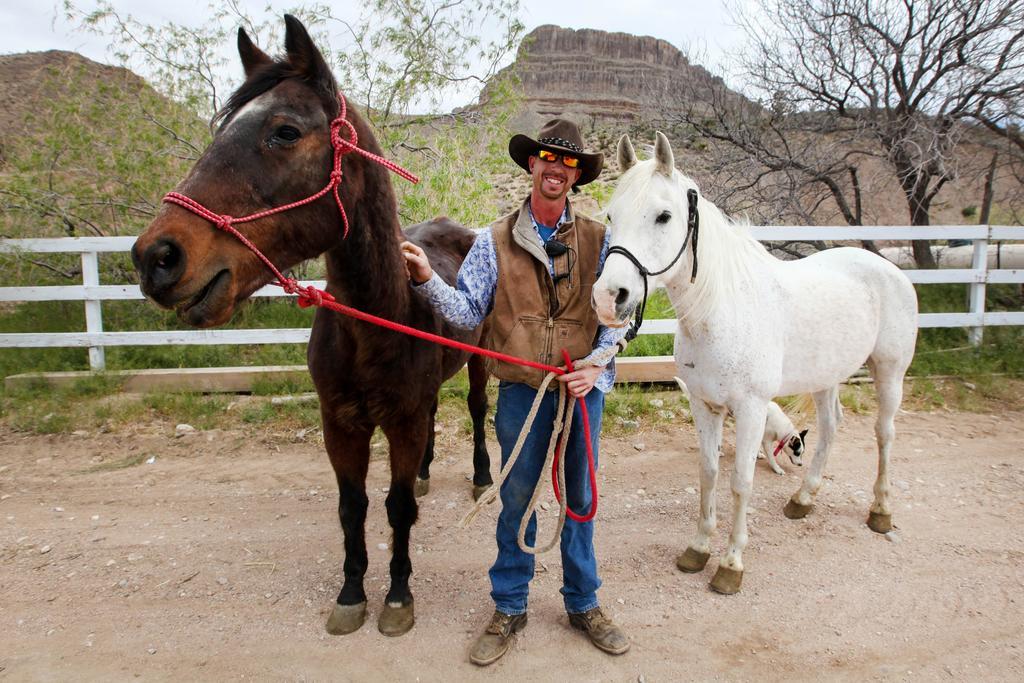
[(779, 436)]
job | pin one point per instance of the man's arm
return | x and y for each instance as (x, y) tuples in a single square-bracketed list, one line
[(470, 301)]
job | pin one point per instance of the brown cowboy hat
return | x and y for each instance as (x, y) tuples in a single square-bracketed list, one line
[(561, 137)]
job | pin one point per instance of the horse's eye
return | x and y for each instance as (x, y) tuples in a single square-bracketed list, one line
[(287, 134), (663, 217)]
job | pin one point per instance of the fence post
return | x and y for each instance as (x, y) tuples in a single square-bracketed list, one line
[(979, 263), (93, 309)]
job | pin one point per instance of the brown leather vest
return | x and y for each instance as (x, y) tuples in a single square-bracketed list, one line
[(533, 317)]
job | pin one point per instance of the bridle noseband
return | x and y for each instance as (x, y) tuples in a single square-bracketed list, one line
[(692, 229)]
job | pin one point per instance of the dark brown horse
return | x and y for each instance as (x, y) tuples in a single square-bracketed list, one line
[(273, 147)]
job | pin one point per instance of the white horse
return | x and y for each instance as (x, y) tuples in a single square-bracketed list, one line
[(751, 328)]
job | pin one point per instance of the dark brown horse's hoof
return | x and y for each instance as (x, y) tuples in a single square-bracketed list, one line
[(396, 619), (795, 510), (346, 619), (879, 523), (421, 488), (726, 581), (692, 561), (479, 490)]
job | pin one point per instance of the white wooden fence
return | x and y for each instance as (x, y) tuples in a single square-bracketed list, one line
[(93, 293)]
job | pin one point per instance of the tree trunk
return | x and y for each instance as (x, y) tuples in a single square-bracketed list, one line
[(923, 255), (986, 202), (915, 187)]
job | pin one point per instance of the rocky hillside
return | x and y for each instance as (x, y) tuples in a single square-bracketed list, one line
[(85, 148), (604, 77)]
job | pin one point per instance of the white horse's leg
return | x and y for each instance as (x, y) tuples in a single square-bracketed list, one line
[(750, 418), (709, 431), (829, 411), (889, 387)]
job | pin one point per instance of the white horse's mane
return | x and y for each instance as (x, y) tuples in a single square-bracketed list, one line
[(725, 249)]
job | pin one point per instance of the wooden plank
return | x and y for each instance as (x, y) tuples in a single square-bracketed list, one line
[(868, 232), (1004, 318), (113, 292), (948, 320), (60, 245), (645, 369), (25, 340), (1005, 276), (939, 276), (1007, 232), (227, 379)]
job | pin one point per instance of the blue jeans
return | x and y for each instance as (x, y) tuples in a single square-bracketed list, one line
[(513, 569)]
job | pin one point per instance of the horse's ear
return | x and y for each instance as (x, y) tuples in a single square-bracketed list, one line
[(252, 56), (626, 154), (666, 162), (304, 55)]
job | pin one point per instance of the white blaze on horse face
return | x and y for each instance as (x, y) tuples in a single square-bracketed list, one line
[(254, 108)]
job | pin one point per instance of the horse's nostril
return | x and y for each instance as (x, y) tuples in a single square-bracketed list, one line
[(621, 296), (162, 265)]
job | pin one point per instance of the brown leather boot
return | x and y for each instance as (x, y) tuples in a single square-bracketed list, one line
[(496, 638), (603, 633)]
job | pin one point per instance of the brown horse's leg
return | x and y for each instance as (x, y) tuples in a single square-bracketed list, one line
[(478, 411), (349, 451), (423, 479), (407, 441)]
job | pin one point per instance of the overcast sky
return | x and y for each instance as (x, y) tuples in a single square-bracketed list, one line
[(702, 28)]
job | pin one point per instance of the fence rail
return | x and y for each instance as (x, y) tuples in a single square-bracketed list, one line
[(93, 293)]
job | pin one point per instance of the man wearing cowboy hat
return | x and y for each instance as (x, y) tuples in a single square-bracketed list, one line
[(531, 274)]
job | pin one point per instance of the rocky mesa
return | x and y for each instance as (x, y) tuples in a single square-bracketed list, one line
[(604, 77)]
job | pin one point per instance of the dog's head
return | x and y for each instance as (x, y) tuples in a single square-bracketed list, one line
[(795, 447)]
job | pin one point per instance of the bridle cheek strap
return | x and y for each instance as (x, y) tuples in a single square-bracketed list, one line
[(342, 145), (692, 233)]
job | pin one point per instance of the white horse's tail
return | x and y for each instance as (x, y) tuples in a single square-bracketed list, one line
[(682, 386)]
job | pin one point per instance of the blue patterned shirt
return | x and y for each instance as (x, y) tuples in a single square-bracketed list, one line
[(471, 300)]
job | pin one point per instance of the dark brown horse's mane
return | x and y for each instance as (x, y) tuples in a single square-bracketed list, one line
[(267, 77)]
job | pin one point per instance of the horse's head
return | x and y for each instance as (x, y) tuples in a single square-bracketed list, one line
[(272, 147), (647, 217)]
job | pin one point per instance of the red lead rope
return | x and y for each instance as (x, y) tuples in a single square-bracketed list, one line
[(312, 296), (590, 459)]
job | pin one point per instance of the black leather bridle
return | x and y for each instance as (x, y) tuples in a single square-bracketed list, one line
[(692, 230)]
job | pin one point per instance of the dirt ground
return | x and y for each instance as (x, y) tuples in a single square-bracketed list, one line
[(220, 559)]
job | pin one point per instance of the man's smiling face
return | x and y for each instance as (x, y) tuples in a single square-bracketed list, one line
[(552, 179)]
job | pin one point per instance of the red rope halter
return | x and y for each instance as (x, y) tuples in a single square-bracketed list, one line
[(312, 296)]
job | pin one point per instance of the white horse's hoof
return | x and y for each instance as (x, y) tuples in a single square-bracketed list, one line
[(727, 581), (879, 523), (346, 619), (795, 510), (692, 561)]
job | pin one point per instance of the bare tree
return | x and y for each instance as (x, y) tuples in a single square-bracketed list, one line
[(843, 81)]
